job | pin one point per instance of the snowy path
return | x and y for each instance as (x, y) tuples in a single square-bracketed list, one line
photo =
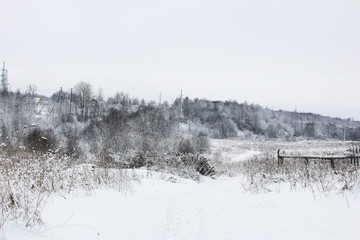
[(223, 211), (213, 209)]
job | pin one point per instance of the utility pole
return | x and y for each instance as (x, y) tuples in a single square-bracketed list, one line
[(180, 110), (160, 99), (6, 81), (61, 97), (70, 100), (55, 101)]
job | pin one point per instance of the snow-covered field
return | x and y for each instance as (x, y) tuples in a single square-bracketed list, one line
[(163, 206), (233, 150)]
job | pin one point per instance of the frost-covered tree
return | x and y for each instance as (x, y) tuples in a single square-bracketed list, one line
[(84, 91)]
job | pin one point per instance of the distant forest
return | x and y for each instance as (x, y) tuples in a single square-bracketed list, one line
[(82, 123)]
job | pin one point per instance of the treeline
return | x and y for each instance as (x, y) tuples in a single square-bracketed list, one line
[(230, 119), (83, 124), (120, 130)]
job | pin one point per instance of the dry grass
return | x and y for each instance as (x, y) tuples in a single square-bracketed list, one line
[(27, 181), (262, 172)]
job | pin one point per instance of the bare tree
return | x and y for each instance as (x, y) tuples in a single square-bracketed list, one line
[(31, 90), (100, 95), (84, 92)]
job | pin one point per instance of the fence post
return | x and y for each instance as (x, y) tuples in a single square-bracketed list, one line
[(332, 163), (280, 159)]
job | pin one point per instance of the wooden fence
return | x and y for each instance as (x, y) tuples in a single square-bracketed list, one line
[(355, 152), (353, 156)]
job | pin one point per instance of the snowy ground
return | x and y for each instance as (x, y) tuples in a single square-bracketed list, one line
[(173, 208), (162, 206)]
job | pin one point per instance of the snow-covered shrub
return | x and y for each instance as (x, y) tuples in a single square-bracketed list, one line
[(193, 145), (201, 143), (27, 181), (39, 140), (184, 165), (185, 146)]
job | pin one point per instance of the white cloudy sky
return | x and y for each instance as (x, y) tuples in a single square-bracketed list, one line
[(284, 54)]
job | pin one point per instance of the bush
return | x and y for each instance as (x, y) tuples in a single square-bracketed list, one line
[(184, 165), (40, 141), (186, 147), (199, 144)]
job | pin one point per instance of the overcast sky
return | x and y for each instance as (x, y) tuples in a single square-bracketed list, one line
[(293, 54)]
